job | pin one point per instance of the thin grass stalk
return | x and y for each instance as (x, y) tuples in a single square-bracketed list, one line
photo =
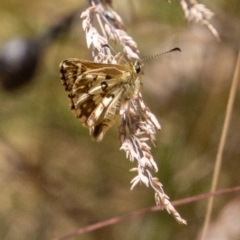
[(144, 211), (222, 142)]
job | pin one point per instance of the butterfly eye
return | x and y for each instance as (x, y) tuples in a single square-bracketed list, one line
[(137, 68)]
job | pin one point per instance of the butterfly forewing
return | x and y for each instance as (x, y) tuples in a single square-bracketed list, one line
[(96, 91)]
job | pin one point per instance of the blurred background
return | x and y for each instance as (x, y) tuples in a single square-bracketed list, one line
[(55, 179)]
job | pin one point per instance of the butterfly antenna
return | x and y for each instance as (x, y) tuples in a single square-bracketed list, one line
[(172, 50)]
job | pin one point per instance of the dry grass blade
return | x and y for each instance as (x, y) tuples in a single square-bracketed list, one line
[(199, 13), (122, 96), (221, 145), (134, 214)]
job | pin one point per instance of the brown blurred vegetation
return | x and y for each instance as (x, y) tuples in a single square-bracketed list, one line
[(54, 179)]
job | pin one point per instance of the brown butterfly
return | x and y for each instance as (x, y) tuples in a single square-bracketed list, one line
[(97, 90)]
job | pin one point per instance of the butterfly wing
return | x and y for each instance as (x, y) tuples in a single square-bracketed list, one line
[(95, 93)]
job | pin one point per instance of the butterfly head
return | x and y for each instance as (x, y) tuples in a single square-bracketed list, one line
[(138, 67)]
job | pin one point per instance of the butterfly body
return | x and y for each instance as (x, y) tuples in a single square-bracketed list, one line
[(97, 91)]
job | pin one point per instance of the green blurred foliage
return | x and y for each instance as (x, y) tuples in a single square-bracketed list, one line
[(54, 178)]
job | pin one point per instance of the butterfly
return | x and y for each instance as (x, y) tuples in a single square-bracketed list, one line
[(98, 90)]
